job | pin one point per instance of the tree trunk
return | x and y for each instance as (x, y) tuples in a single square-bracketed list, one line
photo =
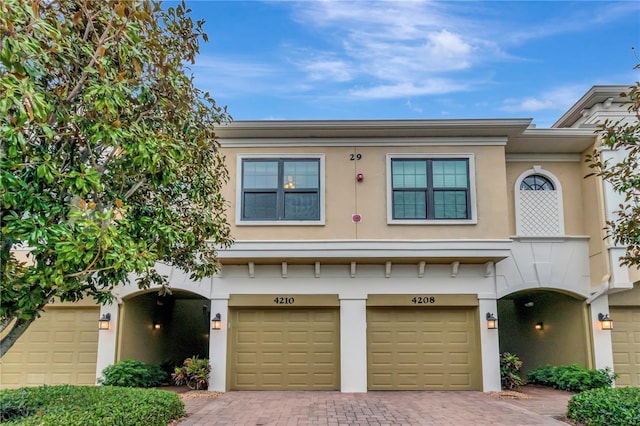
[(18, 329)]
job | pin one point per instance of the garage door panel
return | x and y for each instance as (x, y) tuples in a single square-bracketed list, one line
[(292, 349), (432, 337), (626, 345), (443, 352), (59, 347)]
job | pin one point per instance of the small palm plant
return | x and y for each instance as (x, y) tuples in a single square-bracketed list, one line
[(510, 365), (194, 373)]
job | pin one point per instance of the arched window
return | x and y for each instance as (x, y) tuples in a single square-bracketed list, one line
[(538, 199), (536, 183)]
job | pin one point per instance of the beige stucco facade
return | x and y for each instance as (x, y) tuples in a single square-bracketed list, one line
[(526, 255)]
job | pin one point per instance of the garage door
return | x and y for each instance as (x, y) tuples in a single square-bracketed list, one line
[(423, 349), (626, 345), (59, 347), (285, 349)]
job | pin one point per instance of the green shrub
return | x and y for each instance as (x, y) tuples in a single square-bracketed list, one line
[(88, 405), (606, 407), (510, 365), (573, 377), (133, 374), (194, 373)]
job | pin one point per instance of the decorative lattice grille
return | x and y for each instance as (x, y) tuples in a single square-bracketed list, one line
[(539, 213)]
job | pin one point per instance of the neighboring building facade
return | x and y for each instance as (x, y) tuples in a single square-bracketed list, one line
[(370, 254)]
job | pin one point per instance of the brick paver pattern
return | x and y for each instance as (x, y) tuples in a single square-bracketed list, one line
[(279, 408)]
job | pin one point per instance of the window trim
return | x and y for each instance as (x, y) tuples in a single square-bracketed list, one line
[(302, 155), (431, 156)]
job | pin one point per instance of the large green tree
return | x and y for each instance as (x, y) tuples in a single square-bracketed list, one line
[(623, 175), (108, 157)]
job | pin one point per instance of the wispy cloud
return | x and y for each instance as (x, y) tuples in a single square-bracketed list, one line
[(408, 89), (555, 99)]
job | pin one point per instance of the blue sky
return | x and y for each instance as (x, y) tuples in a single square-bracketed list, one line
[(412, 59)]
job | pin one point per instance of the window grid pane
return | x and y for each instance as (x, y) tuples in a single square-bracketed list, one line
[(409, 205), (260, 174), (409, 174), (301, 206), (449, 174), (259, 206), (302, 174), (450, 204)]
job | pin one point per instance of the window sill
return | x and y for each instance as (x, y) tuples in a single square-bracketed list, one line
[(281, 223), (433, 222)]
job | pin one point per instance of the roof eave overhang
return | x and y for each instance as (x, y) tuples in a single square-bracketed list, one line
[(265, 130), (595, 95)]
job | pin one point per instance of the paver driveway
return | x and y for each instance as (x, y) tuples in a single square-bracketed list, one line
[(372, 408)]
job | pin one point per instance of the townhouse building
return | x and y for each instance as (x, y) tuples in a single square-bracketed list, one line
[(382, 255)]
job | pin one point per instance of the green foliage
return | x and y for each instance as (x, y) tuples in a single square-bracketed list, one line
[(108, 156), (606, 407), (510, 365), (193, 373), (133, 374), (623, 175), (573, 377), (87, 405)]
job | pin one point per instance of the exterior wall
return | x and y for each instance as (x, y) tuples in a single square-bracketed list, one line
[(345, 196)]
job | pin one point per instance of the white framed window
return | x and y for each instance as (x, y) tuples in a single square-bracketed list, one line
[(283, 189), (431, 189)]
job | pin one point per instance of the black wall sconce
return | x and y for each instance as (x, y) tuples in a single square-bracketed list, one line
[(216, 322), (605, 321), (492, 321), (103, 322)]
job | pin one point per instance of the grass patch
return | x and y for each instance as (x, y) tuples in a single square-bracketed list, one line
[(89, 405)]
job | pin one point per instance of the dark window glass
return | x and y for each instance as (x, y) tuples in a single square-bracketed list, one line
[(280, 189), (430, 189), (536, 183)]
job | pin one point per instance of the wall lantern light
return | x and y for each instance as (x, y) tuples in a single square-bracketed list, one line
[(156, 325), (103, 322), (216, 322), (607, 323), (492, 321), (539, 326)]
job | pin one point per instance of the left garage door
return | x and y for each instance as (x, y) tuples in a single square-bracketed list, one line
[(59, 347), (284, 349)]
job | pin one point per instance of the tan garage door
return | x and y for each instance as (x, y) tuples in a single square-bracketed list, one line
[(59, 347), (423, 349), (285, 349), (626, 345)]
